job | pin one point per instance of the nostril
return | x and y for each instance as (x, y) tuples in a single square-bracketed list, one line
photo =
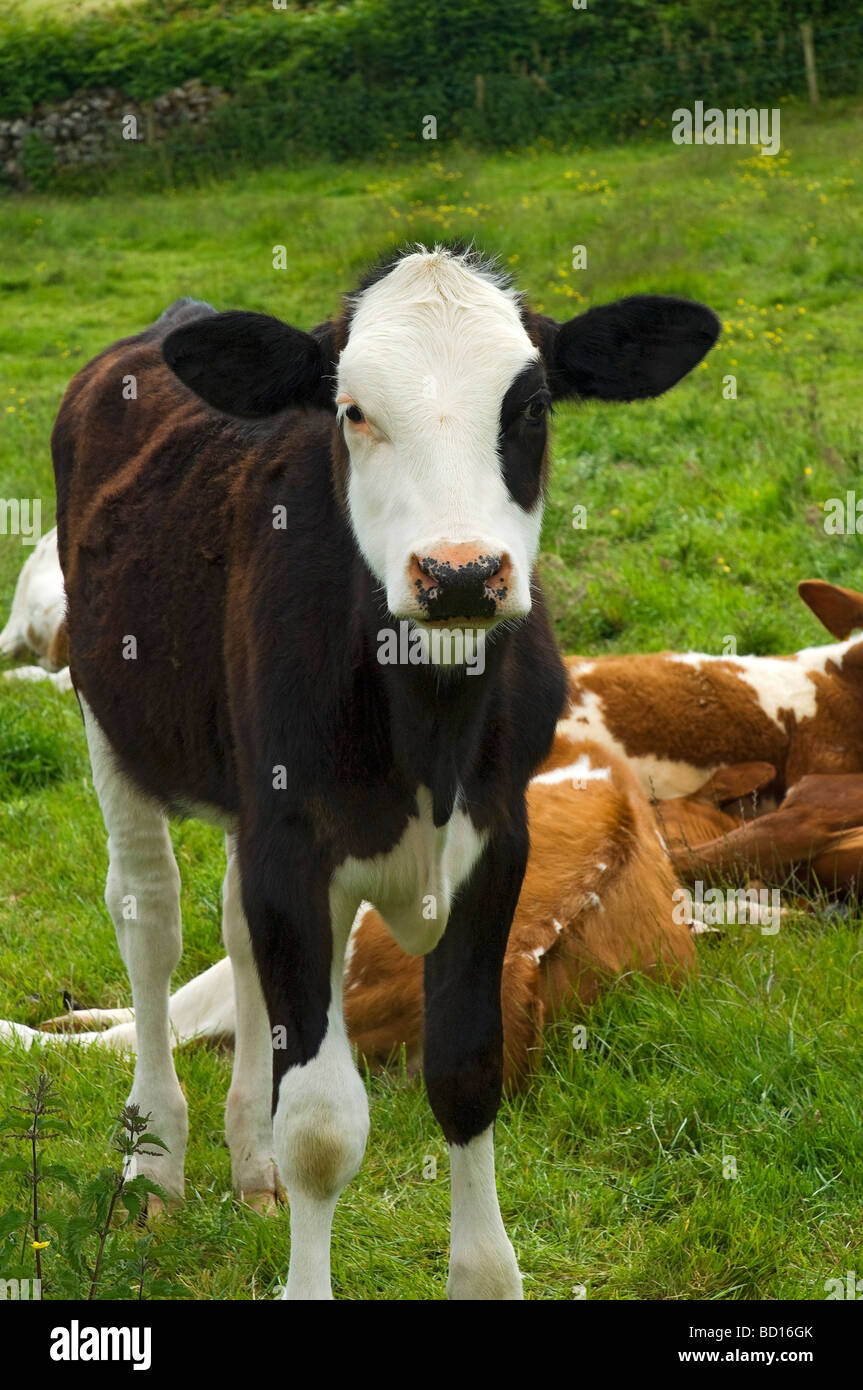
[(498, 582), (433, 565), (421, 576)]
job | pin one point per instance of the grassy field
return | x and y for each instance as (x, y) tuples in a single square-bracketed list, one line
[(702, 513)]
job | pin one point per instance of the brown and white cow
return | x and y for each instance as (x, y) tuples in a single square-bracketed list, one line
[(679, 717), (240, 538)]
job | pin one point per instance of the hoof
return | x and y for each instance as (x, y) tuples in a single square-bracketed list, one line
[(156, 1209), (494, 1276), (264, 1201)]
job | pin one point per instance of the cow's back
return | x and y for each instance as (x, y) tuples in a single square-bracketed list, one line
[(96, 431), (152, 487)]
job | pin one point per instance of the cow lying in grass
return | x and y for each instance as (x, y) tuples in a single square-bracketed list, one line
[(677, 718), (817, 831), (699, 731)]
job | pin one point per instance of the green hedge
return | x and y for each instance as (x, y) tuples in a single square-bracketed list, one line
[(353, 79)]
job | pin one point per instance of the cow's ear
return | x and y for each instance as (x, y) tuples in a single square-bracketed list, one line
[(251, 365), (626, 351), (840, 610)]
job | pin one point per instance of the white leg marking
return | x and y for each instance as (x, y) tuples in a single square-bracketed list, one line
[(321, 1128), (482, 1261), (248, 1112), (143, 898)]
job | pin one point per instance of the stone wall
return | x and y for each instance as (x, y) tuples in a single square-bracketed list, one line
[(89, 128)]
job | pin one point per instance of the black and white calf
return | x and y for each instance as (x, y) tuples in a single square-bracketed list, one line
[(237, 543)]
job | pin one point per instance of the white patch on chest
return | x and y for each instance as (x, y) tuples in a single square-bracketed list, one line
[(413, 884)]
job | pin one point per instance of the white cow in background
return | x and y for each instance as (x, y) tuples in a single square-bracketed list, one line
[(203, 1008), (36, 621)]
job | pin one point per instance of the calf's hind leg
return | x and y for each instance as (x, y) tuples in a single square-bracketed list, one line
[(143, 897)]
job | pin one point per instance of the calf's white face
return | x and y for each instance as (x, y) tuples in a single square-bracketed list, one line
[(441, 395), (433, 350)]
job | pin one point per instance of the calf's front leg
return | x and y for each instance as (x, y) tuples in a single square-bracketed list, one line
[(299, 928), (463, 1064)]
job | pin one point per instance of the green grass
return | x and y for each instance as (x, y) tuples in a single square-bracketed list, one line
[(702, 515)]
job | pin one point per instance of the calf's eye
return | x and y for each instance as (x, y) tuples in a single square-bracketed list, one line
[(534, 410), (355, 415)]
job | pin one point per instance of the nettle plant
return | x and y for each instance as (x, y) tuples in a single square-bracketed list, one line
[(91, 1252)]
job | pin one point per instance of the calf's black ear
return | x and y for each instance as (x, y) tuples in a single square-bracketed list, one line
[(626, 351), (250, 365)]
